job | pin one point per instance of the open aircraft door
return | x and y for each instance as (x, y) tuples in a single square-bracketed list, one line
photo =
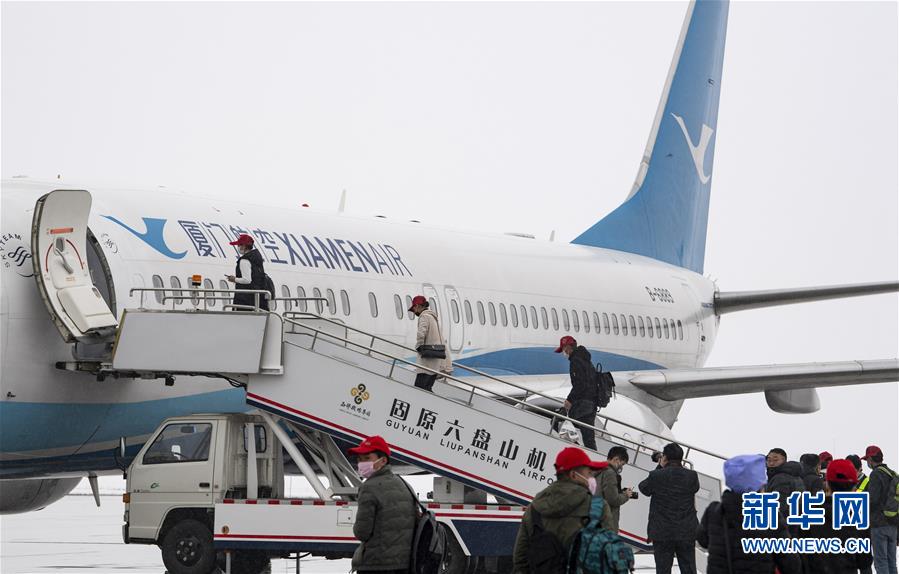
[(59, 245)]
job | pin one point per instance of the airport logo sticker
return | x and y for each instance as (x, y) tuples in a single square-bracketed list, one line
[(698, 150), (16, 254), (354, 407)]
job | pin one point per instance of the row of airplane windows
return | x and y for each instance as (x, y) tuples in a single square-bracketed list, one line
[(608, 323)]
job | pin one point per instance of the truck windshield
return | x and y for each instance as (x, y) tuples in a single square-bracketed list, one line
[(180, 442)]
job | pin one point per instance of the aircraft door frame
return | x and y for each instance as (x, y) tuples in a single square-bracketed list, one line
[(456, 336)]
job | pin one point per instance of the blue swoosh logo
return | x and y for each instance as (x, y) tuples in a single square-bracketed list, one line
[(152, 236)]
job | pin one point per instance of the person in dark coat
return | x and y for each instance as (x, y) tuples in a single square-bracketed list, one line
[(883, 533), (386, 515), (811, 472), (784, 477), (841, 477), (721, 528), (250, 273), (862, 477), (582, 400), (672, 511)]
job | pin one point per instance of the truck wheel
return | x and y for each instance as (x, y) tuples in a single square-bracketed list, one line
[(187, 548), (455, 562)]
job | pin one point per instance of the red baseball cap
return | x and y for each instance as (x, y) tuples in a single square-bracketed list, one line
[(371, 444), (243, 239), (872, 451), (566, 340), (573, 457), (418, 300), (825, 458), (841, 470)]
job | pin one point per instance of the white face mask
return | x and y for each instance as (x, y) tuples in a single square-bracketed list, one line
[(591, 483), (366, 468)]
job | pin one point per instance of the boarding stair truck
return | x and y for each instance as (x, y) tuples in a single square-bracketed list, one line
[(316, 383)]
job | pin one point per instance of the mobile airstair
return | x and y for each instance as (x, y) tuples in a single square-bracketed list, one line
[(336, 382)]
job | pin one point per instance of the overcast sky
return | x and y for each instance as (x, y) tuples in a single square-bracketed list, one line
[(508, 117)]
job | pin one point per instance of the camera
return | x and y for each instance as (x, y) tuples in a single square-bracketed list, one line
[(635, 495), (656, 457)]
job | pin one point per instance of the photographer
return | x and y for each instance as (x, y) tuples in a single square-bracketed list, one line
[(610, 483)]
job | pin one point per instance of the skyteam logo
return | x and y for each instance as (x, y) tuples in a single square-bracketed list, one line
[(698, 150), (152, 236), (16, 254)]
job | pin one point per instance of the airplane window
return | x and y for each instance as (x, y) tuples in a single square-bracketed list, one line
[(534, 317), (642, 326), (345, 302), (575, 322), (469, 317), (455, 309), (596, 322), (398, 303), (208, 284), (502, 314), (373, 305), (481, 318), (285, 293), (665, 323), (158, 283), (175, 283), (514, 312), (658, 328), (630, 319), (565, 322), (492, 311), (408, 306), (332, 301), (303, 306), (524, 317), (545, 318), (649, 326), (680, 330), (623, 326), (605, 323), (586, 322), (316, 294), (555, 315), (432, 305), (614, 323)]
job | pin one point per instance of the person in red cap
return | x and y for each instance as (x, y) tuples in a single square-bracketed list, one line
[(386, 514), (562, 508), (825, 457), (881, 493), (583, 399), (841, 476), (250, 273), (432, 351)]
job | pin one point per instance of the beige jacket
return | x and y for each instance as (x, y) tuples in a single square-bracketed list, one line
[(429, 334)]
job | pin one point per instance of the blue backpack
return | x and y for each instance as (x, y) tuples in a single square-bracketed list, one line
[(596, 550)]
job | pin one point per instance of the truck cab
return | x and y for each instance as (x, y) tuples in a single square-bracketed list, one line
[(189, 464)]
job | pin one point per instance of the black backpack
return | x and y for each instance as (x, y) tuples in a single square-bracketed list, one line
[(428, 542), (605, 386), (268, 284), (546, 555)]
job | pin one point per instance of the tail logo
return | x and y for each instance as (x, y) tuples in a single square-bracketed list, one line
[(152, 236), (698, 150)]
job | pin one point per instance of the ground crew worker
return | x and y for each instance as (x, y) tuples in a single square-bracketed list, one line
[(562, 508), (429, 341), (386, 514), (582, 400), (883, 529), (672, 511), (610, 483), (841, 477), (862, 482), (250, 274)]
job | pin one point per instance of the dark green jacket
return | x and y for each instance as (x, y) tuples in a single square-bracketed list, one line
[(610, 488), (565, 508), (385, 523)]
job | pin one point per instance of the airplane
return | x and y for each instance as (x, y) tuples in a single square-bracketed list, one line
[(631, 288)]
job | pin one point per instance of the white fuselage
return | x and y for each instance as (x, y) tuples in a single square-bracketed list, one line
[(57, 422)]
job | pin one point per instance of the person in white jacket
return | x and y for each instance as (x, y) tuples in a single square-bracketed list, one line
[(429, 336)]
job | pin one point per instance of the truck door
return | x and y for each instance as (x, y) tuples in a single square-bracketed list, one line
[(59, 244), (176, 471)]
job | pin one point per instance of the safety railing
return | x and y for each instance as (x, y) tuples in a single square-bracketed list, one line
[(370, 350), (204, 296)]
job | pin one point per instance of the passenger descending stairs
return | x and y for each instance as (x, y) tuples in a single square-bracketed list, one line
[(351, 385)]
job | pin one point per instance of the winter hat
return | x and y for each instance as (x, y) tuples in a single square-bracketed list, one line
[(745, 473)]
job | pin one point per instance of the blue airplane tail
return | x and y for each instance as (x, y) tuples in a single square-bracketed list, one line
[(666, 214)]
